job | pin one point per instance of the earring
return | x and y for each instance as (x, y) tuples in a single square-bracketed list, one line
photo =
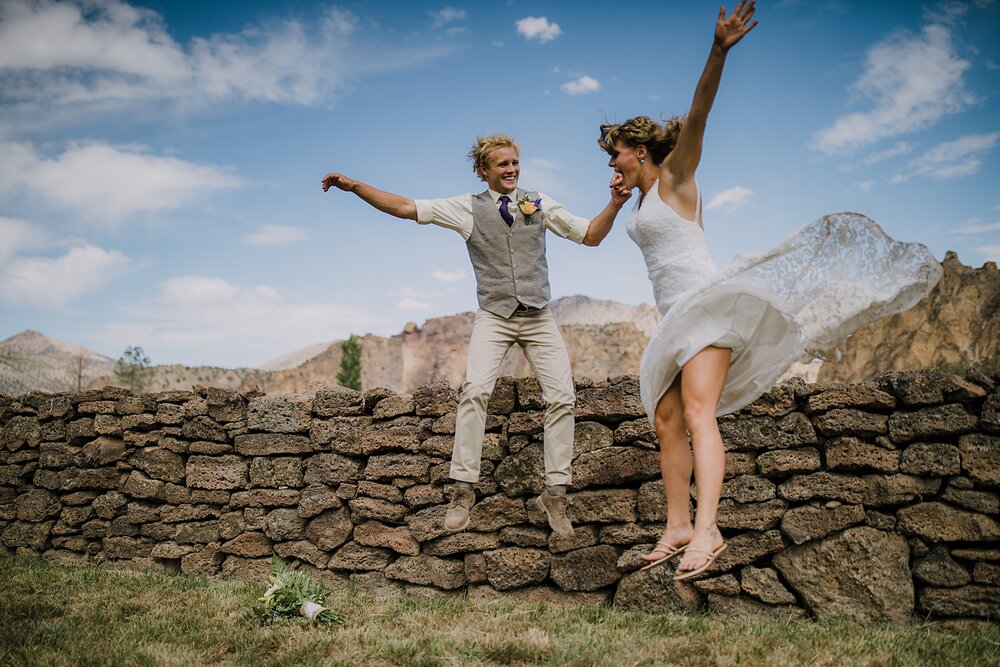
[(642, 162)]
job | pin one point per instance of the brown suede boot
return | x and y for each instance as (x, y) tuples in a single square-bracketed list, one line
[(462, 501), (555, 509)]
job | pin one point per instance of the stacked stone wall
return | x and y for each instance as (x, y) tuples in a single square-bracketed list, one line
[(875, 501)]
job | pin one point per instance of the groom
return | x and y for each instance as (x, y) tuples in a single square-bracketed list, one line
[(504, 230)]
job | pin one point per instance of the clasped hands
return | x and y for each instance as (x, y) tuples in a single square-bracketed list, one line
[(619, 193)]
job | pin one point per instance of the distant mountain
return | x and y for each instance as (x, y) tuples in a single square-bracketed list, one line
[(31, 360), (296, 358), (604, 338), (956, 324)]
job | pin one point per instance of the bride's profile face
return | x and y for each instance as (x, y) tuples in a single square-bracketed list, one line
[(624, 161)]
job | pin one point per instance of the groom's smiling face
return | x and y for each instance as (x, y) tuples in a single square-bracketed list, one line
[(503, 171)]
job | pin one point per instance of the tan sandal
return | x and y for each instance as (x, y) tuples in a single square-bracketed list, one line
[(683, 575), (668, 550)]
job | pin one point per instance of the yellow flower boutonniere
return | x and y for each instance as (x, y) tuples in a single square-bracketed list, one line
[(529, 206)]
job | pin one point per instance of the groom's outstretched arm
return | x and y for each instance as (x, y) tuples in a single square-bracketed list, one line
[(600, 226), (387, 202)]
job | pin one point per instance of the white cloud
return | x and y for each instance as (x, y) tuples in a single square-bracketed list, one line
[(991, 252), (538, 27), (866, 186), (63, 59), (582, 85), (106, 183), (290, 64), (206, 319), (197, 293), (542, 175), (45, 272), (541, 164), (47, 283), (109, 36), (447, 15), (18, 235), (977, 227), (411, 304), (951, 159), (947, 13), (449, 276), (911, 82), (422, 294), (901, 148), (276, 235), (731, 199)]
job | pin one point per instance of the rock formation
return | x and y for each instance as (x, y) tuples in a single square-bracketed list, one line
[(955, 325)]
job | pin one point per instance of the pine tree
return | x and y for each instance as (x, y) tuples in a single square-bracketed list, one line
[(349, 374), (133, 369)]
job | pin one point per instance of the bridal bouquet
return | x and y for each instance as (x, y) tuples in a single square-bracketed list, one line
[(294, 593)]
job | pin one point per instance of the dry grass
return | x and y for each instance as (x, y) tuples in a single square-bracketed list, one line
[(52, 615)]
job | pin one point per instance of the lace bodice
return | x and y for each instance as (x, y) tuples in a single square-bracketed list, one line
[(677, 258)]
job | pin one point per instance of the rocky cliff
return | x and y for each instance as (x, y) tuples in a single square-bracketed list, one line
[(956, 325)]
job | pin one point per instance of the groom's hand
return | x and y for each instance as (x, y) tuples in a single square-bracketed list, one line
[(336, 180)]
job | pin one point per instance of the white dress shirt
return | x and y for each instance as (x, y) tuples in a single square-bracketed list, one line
[(455, 213)]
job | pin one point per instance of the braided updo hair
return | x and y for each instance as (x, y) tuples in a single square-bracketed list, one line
[(659, 139), (479, 154)]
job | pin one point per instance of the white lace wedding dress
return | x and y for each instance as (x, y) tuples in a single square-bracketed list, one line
[(805, 296)]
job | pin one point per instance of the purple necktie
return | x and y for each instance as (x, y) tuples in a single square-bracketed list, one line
[(504, 213)]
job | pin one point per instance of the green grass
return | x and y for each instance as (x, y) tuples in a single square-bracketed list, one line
[(53, 615)]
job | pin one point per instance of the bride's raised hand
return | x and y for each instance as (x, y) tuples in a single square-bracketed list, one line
[(729, 31)]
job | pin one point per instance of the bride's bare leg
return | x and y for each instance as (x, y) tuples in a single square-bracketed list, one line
[(675, 467), (702, 381)]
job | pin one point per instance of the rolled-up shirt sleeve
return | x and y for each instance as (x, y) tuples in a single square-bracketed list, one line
[(560, 221), (453, 213)]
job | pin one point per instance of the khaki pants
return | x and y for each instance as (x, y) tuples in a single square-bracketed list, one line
[(539, 337)]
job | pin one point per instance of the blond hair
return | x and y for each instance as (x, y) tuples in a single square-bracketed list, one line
[(479, 154), (659, 139)]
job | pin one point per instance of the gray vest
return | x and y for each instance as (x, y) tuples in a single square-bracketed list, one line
[(510, 261)]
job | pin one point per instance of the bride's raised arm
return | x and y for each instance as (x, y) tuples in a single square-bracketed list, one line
[(681, 163)]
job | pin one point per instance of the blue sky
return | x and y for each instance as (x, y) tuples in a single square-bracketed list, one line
[(160, 162)]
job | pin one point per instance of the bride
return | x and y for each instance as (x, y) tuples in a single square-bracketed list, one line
[(727, 335)]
